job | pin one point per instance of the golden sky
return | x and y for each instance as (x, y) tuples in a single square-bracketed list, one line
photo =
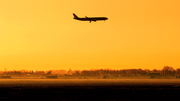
[(42, 34)]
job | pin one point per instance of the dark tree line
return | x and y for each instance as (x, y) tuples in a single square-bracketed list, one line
[(166, 71)]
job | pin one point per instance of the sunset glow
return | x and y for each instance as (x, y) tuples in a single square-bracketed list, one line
[(42, 34)]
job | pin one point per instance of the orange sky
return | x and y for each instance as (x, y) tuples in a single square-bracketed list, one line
[(42, 34)]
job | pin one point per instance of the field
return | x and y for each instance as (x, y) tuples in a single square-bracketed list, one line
[(89, 82), (89, 89)]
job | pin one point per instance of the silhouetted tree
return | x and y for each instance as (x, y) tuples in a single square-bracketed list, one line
[(76, 73), (69, 72), (154, 70), (168, 71), (177, 72)]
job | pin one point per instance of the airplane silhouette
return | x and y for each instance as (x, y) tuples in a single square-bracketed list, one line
[(89, 18)]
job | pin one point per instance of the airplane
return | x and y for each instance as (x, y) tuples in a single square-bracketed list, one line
[(89, 18)]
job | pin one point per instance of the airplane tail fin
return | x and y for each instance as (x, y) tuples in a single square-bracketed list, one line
[(75, 16)]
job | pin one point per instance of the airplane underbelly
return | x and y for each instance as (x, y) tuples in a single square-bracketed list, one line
[(85, 20)]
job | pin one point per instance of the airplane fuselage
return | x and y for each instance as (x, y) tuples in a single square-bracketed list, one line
[(91, 18)]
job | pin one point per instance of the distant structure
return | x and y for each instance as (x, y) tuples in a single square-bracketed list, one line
[(154, 75), (51, 77)]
